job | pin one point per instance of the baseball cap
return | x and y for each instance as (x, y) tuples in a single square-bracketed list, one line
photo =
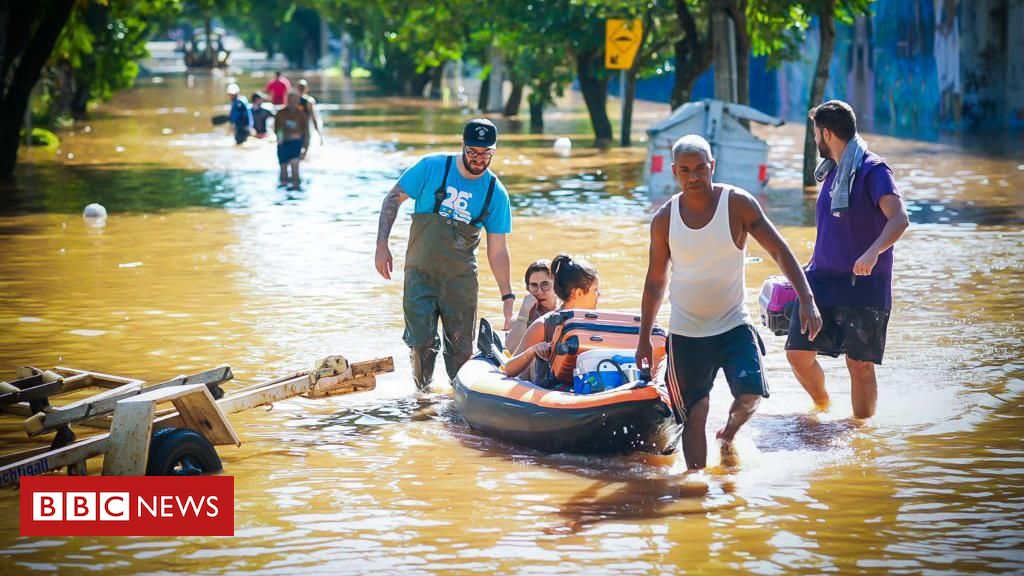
[(480, 133), (233, 89)]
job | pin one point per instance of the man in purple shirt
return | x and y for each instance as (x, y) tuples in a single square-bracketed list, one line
[(860, 215)]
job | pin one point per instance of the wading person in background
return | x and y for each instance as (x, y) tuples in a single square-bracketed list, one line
[(540, 299), (455, 197), (278, 88), (291, 127), (308, 105), (261, 112), (702, 232), (860, 215), (240, 115)]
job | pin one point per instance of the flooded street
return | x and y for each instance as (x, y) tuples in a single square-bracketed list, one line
[(205, 261)]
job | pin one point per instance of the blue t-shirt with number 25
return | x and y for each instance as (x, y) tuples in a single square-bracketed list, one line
[(464, 198)]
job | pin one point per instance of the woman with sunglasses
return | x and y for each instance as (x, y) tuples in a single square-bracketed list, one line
[(540, 300)]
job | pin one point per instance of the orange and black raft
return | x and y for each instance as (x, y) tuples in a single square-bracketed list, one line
[(632, 418)]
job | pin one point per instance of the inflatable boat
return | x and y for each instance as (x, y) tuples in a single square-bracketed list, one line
[(634, 417)]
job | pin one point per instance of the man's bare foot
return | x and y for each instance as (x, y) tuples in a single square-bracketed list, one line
[(725, 435), (730, 456), (822, 406)]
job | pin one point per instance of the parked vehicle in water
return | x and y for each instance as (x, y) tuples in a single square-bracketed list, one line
[(201, 52)]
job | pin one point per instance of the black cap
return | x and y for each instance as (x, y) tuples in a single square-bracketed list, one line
[(480, 133)]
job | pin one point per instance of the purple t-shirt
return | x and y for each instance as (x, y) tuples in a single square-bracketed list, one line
[(842, 239)]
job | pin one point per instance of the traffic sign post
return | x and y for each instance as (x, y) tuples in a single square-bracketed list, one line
[(621, 43)]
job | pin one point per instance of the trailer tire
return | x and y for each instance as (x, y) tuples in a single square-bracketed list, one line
[(181, 452)]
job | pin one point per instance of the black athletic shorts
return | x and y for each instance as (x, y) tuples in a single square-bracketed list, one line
[(857, 332), (694, 364)]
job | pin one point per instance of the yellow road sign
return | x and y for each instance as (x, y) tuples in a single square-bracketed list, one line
[(621, 42)]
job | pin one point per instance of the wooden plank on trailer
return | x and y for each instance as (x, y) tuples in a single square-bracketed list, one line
[(39, 392), (108, 393), (333, 386), (22, 454), (100, 379), (373, 367), (53, 459), (76, 454), (129, 438), (23, 409), (259, 395), (200, 412), (49, 421)]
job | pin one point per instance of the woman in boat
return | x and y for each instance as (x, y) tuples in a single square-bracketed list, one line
[(540, 300), (578, 287)]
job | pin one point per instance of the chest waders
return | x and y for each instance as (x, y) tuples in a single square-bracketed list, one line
[(441, 282)]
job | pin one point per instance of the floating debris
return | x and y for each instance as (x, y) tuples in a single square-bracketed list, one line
[(563, 147), (95, 215)]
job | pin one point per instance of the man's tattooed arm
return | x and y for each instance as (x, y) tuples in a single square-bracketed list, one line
[(389, 212)]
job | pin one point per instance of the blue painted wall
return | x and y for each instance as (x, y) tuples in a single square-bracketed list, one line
[(916, 68)]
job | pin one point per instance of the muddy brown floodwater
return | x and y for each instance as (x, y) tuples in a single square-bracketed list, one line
[(204, 261)]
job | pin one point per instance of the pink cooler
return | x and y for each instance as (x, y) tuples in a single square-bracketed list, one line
[(776, 293)]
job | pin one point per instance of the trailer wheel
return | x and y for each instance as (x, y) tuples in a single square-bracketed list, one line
[(181, 452)]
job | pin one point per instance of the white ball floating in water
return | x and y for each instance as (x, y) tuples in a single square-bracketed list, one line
[(563, 147), (95, 215)]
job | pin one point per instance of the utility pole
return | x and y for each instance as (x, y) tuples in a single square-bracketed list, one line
[(723, 30)]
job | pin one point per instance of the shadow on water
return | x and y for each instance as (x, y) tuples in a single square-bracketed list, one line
[(135, 188), (641, 499), (802, 432)]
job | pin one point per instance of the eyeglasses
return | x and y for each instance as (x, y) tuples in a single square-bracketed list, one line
[(544, 286), (475, 154)]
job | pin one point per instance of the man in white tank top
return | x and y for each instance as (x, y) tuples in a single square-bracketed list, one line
[(702, 232)]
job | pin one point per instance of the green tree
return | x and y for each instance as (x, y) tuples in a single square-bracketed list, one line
[(31, 30), (98, 51), (827, 12), (692, 47)]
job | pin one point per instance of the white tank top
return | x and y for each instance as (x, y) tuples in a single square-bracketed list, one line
[(708, 277)]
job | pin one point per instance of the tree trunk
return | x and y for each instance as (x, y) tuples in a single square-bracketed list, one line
[(515, 99), (210, 57), (436, 78), (30, 49), (629, 95), (536, 116), (419, 83), (595, 95), (485, 90), (827, 28), (629, 91), (738, 11), (692, 55)]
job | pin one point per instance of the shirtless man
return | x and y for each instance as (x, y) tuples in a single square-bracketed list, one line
[(292, 128)]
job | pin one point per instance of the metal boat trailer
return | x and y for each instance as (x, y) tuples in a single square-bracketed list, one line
[(177, 439)]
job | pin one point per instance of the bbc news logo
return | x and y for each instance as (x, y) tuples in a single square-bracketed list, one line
[(127, 506)]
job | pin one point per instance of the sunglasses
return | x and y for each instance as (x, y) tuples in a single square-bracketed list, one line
[(544, 286)]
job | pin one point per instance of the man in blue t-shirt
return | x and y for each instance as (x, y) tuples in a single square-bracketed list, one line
[(240, 115), (456, 196), (860, 216)]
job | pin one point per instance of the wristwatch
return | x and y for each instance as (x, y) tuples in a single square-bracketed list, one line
[(509, 296)]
